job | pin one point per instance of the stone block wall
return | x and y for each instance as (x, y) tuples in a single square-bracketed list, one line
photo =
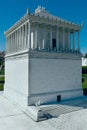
[(52, 77)]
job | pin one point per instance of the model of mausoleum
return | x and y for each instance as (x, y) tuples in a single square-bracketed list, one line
[(43, 60)]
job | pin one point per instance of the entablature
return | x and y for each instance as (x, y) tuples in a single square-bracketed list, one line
[(32, 18)]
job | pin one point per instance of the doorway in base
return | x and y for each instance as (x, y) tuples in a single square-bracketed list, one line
[(59, 98), (53, 43)]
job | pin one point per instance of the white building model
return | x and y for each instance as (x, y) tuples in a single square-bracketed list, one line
[(84, 61), (43, 60)]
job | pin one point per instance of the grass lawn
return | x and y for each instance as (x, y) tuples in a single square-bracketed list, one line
[(1, 87), (84, 83), (2, 78)]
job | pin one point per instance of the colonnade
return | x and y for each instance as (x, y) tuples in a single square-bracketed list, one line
[(21, 39), (18, 39)]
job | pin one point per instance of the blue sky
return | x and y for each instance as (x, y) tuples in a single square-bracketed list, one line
[(72, 10)]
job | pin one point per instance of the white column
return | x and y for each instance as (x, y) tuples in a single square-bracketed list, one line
[(51, 37), (36, 36), (39, 37), (44, 37), (17, 39), (23, 44), (24, 37), (29, 35), (73, 41), (14, 41), (11, 43), (21, 38), (78, 41), (63, 39), (34, 39), (68, 39), (26, 34), (57, 38), (6, 44)]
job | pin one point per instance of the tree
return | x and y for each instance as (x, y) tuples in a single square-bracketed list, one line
[(86, 55)]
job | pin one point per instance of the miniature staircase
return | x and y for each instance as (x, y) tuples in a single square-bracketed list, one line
[(65, 107), (49, 111)]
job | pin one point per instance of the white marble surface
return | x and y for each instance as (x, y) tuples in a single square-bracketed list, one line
[(52, 77), (13, 118), (84, 61), (16, 79)]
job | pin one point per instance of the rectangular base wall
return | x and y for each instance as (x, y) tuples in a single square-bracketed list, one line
[(16, 97), (53, 97)]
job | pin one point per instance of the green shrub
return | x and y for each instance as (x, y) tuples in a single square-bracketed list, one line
[(84, 81), (84, 69), (1, 83), (2, 72), (84, 85)]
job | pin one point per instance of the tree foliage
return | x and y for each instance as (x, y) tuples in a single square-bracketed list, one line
[(86, 55)]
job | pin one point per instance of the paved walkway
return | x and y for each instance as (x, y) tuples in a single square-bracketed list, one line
[(71, 121), (12, 118)]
